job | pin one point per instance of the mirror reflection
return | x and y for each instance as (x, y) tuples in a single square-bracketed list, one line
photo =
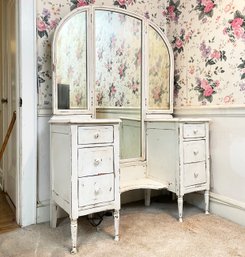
[(118, 46), (159, 76), (71, 64)]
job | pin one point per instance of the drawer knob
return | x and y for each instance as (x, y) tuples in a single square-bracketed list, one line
[(195, 131), (96, 135), (96, 162), (96, 190), (195, 175), (195, 152)]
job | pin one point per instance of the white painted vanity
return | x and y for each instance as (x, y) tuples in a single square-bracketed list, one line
[(112, 130)]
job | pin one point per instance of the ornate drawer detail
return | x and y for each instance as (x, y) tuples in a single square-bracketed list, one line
[(97, 189), (194, 151), (95, 160), (194, 174), (95, 135), (193, 130)]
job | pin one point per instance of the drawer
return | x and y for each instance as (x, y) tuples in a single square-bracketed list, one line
[(95, 190), (193, 130), (194, 151), (95, 160), (194, 174), (94, 135)]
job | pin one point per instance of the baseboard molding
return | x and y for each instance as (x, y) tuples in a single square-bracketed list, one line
[(220, 205), (43, 212)]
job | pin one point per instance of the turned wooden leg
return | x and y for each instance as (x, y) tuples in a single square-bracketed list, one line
[(180, 207), (116, 224), (53, 214), (206, 199), (74, 236), (147, 197)]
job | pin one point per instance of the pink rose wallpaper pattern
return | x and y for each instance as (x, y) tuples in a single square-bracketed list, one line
[(207, 36), (208, 39)]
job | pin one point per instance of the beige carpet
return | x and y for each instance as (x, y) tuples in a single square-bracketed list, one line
[(144, 232)]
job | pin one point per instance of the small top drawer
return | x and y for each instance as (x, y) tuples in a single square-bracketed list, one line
[(193, 130), (95, 135)]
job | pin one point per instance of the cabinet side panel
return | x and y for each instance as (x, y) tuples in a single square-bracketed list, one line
[(61, 166), (162, 155)]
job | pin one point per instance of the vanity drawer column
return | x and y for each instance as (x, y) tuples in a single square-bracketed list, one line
[(193, 173)]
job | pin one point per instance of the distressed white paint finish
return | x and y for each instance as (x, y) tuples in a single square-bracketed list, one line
[(182, 162), (83, 180)]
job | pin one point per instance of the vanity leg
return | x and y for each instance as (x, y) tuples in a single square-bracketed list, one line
[(74, 236), (206, 199), (116, 224), (180, 207), (53, 214), (147, 197)]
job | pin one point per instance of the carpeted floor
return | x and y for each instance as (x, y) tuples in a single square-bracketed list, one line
[(144, 232)]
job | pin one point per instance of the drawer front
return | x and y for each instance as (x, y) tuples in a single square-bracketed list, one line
[(95, 135), (96, 189), (193, 130), (194, 174), (95, 160), (194, 151)]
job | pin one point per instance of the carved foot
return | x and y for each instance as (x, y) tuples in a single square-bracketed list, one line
[(116, 238)]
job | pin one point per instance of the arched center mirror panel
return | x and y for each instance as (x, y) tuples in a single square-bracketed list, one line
[(118, 76)]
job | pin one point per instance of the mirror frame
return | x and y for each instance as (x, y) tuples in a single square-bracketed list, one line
[(146, 112)]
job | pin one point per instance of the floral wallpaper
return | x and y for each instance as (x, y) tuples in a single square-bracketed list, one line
[(207, 36), (118, 61), (208, 39), (49, 14)]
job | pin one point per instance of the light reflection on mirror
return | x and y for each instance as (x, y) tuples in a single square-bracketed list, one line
[(71, 64), (159, 77)]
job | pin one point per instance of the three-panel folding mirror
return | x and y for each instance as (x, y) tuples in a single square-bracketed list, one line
[(111, 63)]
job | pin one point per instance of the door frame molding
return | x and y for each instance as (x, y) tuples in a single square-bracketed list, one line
[(27, 114)]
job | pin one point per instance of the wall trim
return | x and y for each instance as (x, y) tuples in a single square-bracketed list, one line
[(224, 111), (227, 201), (44, 112), (220, 205), (27, 76)]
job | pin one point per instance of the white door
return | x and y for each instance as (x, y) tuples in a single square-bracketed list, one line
[(8, 97), (1, 106)]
